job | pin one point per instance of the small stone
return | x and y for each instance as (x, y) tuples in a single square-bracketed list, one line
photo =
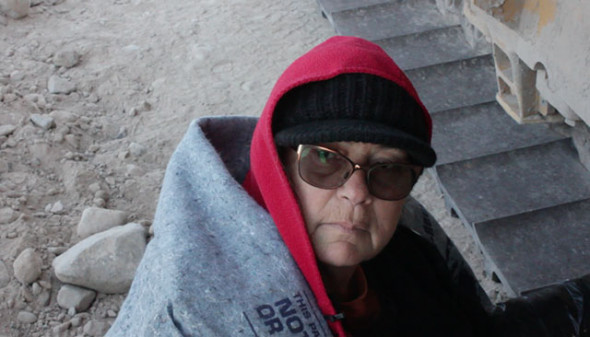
[(72, 140), (95, 220), (63, 116), (36, 100), (122, 133), (66, 58), (94, 187), (93, 98), (93, 148), (60, 330), (26, 293), (45, 284), (7, 129), (72, 311), (26, 317), (123, 154), (27, 266), (57, 208), (16, 9), (36, 289), (145, 106), (137, 150), (76, 321), (43, 121), (101, 194), (44, 298), (8, 98), (58, 85), (96, 328), (56, 250), (134, 171), (7, 215), (17, 76), (99, 202), (111, 313)]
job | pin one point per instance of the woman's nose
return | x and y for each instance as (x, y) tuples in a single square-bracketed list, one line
[(355, 189)]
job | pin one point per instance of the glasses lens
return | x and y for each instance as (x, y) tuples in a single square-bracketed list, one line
[(391, 181), (323, 168)]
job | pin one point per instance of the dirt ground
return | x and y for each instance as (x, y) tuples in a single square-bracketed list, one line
[(134, 73)]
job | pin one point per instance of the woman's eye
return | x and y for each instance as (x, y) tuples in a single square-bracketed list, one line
[(324, 156)]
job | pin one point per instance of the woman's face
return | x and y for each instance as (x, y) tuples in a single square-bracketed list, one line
[(347, 225)]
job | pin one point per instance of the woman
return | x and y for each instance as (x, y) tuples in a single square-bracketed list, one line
[(325, 241)]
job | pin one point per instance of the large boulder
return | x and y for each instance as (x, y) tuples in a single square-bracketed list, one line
[(106, 261)]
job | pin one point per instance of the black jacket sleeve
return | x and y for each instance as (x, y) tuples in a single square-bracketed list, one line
[(553, 311)]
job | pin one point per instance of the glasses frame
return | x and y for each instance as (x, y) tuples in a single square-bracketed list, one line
[(415, 169)]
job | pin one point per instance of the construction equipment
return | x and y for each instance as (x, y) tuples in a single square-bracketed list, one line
[(519, 187)]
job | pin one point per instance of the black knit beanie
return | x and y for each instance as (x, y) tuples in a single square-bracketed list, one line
[(354, 107)]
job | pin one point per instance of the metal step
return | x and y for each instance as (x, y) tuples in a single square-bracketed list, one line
[(481, 130), (536, 249), (432, 47), (515, 182), (331, 6), (455, 84), (386, 20)]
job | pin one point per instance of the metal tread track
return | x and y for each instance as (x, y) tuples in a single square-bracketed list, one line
[(519, 189)]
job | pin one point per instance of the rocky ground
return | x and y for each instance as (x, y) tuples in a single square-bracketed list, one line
[(94, 96)]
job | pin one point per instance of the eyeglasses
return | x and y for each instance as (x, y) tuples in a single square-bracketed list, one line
[(325, 168)]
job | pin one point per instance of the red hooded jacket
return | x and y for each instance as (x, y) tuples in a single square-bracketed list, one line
[(267, 182)]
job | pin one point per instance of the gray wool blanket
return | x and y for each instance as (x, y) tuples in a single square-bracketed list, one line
[(217, 265)]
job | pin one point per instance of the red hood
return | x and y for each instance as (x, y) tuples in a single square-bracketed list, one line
[(267, 181)]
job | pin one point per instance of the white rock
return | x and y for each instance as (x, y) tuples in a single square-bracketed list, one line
[(62, 116), (7, 215), (26, 317), (96, 328), (43, 298), (136, 149), (58, 85), (27, 266), (36, 289), (94, 187), (66, 58), (15, 9), (106, 261), (70, 296), (133, 170), (17, 76), (4, 275), (6, 129), (76, 321), (57, 208), (95, 220), (45, 122), (61, 330)]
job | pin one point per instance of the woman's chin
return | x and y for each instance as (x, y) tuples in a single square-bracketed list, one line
[(340, 255)]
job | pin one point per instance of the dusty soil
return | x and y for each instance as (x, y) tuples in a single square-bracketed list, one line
[(146, 69)]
